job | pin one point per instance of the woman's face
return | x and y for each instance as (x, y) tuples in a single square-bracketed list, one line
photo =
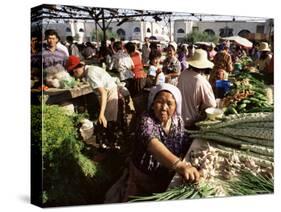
[(164, 106), (170, 51), (156, 61)]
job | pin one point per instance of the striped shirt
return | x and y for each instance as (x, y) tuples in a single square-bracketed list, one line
[(50, 58)]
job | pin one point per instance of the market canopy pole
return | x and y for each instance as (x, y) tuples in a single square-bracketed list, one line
[(103, 44), (102, 16)]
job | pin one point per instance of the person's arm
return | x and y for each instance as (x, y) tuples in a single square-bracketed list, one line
[(176, 69), (169, 160), (229, 65), (112, 63), (103, 100)]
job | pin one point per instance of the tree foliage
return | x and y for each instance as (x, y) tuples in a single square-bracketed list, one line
[(98, 36), (197, 36)]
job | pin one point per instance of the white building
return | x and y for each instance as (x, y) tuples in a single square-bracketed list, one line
[(222, 28), (83, 31), (134, 30)]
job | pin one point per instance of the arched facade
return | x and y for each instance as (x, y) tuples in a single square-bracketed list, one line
[(137, 29), (180, 30), (244, 33), (210, 32), (121, 33)]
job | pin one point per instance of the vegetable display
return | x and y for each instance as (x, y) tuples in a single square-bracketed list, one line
[(65, 166), (238, 159), (247, 95), (221, 175)]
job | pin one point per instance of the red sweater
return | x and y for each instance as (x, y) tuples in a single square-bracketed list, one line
[(138, 69)]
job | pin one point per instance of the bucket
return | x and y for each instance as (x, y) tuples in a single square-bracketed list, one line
[(221, 87)]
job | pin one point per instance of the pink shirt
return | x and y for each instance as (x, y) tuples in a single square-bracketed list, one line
[(197, 95)]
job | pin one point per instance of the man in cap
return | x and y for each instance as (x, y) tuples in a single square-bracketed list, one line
[(197, 93), (104, 86)]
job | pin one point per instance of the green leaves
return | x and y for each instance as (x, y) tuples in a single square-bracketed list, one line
[(64, 165), (248, 183), (196, 36), (56, 128), (186, 191)]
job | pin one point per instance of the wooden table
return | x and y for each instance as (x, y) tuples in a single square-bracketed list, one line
[(57, 96)]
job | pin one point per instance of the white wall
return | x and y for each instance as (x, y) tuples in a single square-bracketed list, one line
[(182, 24), (155, 28), (236, 26), (89, 29)]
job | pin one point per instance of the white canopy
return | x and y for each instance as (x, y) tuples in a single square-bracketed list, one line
[(240, 40), (160, 37)]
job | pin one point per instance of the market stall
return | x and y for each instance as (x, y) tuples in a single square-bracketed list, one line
[(234, 156), (58, 95)]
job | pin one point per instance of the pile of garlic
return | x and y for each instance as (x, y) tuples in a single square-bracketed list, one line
[(212, 164)]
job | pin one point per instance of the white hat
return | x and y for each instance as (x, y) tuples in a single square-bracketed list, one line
[(200, 60), (174, 45), (264, 47)]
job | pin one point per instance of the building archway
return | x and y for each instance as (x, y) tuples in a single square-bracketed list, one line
[(148, 30), (226, 32), (244, 33), (137, 29), (121, 33), (209, 32), (180, 30)]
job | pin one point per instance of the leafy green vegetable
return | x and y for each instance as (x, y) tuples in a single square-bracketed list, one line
[(54, 133)]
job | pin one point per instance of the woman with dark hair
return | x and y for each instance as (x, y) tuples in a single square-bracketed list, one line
[(223, 65), (171, 65), (139, 79)]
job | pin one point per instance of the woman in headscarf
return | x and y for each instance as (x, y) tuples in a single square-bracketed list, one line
[(160, 145)]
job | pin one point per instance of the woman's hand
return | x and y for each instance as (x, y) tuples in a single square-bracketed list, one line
[(187, 171), (102, 120)]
